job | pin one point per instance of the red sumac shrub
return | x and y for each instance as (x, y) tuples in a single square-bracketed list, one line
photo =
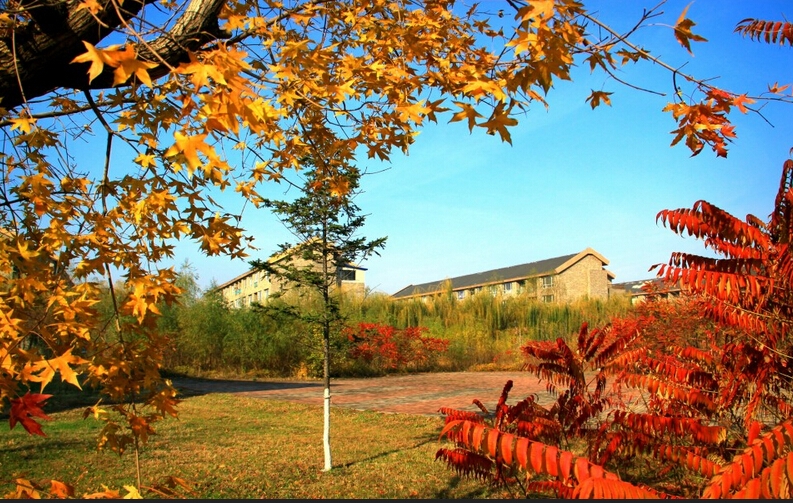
[(388, 349)]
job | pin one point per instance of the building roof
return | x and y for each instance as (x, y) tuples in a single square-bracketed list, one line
[(277, 257), (637, 287), (516, 272)]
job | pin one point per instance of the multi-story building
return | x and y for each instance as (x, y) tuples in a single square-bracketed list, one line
[(256, 286), (638, 291), (559, 279)]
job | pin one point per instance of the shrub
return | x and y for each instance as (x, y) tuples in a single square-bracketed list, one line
[(711, 373), (384, 348)]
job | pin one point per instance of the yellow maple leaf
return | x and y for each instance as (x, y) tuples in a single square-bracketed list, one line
[(339, 186), (537, 9), (467, 112), (524, 41), (146, 160), (201, 72), (128, 65), (91, 6), (23, 124), (597, 97), (25, 253), (189, 147), (412, 112), (46, 369), (132, 493), (96, 57), (499, 121)]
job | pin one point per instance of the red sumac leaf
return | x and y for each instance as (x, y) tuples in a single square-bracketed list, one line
[(451, 425), (770, 450), (566, 464), (765, 484), (789, 466), (476, 441), (536, 457), (465, 434), (551, 460), (522, 451), (507, 451), (756, 454), (752, 490), (581, 469), (492, 442), (748, 466)]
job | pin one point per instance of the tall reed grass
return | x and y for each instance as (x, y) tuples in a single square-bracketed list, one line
[(485, 332)]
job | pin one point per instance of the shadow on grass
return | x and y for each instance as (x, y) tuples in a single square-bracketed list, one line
[(387, 453), (51, 445), (64, 397), (449, 492), (193, 386)]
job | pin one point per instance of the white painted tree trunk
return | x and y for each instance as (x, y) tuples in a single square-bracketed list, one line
[(326, 431)]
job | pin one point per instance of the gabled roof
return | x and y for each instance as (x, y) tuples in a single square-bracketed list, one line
[(275, 257), (514, 273)]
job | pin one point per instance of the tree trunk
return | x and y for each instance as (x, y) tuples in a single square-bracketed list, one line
[(326, 401)]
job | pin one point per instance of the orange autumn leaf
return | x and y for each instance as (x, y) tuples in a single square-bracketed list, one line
[(189, 147), (44, 370), (741, 102), (127, 65), (97, 57), (683, 32)]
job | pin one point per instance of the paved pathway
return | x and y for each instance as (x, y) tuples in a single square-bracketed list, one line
[(412, 394)]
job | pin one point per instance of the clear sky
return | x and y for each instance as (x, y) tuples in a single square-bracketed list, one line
[(573, 178)]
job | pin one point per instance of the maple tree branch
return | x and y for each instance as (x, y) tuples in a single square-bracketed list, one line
[(643, 53), (54, 114), (632, 86), (40, 60)]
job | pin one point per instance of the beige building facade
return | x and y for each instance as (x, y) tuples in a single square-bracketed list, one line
[(559, 279), (638, 291), (257, 286)]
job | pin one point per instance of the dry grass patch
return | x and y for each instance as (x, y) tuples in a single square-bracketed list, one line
[(229, 446)]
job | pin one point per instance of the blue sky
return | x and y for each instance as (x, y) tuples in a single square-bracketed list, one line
[(573, 178)]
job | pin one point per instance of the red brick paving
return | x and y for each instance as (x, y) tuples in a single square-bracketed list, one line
[(413, 394)]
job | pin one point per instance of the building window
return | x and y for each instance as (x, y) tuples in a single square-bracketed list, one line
[(547, 281), (460, 294), (493, 289), (547, 298), (347, 274), (508, 287)]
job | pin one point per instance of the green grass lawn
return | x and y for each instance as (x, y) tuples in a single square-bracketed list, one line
[(228, 446)]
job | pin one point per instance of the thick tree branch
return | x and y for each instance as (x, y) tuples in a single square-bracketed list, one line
[(46, 46)]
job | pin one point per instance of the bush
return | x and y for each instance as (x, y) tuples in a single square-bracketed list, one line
[(382, 348)]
